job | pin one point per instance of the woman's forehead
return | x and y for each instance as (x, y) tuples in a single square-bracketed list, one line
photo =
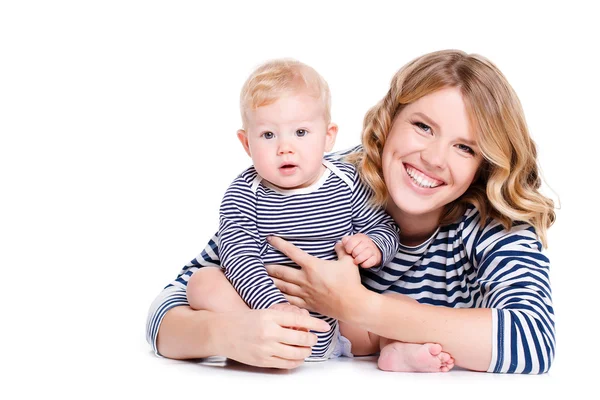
[(445, 110)]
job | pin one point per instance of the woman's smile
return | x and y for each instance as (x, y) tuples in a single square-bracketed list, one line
[(420, 179)]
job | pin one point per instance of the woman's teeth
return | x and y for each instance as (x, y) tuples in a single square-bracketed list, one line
[(421, 179)]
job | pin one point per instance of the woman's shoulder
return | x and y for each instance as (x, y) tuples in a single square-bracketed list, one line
[(340, 154), (481, 237), (337, 159)]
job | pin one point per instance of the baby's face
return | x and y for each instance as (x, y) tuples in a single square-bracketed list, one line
[(287, 139)]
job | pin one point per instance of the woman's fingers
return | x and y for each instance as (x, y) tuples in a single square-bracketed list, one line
[(293, 293), (286, 274), (291, 353), (341, 252), (297, 301), (294, 320), (281, 363), (298, 339), (297, 255), (285, 287)]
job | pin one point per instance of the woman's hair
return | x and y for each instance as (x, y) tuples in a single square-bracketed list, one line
[(277, 78), (508, 181)]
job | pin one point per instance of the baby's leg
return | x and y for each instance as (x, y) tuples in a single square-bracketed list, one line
[(410, 357), (209, 289), (363, 343)]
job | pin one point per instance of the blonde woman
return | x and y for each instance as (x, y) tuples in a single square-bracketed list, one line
[(448, 153)]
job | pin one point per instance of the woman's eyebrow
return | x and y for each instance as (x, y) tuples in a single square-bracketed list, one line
[(435, 126), (469, 142), (428, 120)]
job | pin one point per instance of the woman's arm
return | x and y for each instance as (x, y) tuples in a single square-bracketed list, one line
[(513, 276), (253, 337), (512, 331), (465, 333), (333, 288), (256, 337), (185, 333)]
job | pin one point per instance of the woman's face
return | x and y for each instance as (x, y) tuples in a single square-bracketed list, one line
[(430, 156)]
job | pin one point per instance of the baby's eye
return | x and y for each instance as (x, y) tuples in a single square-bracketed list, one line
[(423, 127), (268, 135), (301, 132)]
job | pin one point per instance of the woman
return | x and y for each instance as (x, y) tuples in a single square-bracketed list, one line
[(447, 152)]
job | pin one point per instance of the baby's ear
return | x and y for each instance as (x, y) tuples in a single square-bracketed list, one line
[(330, 136), (243, 137)]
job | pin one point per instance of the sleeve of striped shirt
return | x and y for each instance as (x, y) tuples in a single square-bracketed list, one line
[(374, 222), (240, 248), (174, 294), (515, 284)]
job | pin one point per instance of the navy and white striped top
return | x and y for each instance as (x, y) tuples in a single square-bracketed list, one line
[(462, 265), (312, 218)]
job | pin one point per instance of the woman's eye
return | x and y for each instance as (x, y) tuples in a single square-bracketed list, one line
[(268, 135), (466, 149), (423, 127), (301, 132)]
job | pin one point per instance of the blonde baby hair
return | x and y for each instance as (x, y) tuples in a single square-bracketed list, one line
[(280, 77)]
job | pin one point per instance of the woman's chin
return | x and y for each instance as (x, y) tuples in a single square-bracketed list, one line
[(413, 206)]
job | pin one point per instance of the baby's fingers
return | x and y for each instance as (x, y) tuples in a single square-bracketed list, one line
[(370, 262), (350, 243), (363, 257)]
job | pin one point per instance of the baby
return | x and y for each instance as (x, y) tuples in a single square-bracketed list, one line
[(295, 192)]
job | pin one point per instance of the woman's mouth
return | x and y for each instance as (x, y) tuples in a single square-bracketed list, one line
[(422, 180)]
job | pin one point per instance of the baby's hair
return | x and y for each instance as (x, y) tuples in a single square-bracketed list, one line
[(277, 78)]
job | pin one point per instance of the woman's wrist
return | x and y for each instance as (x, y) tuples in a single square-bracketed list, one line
[(356, 305), (217, 330)]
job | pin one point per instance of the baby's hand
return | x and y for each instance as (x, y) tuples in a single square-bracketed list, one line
[(364, 251), (290, 308)]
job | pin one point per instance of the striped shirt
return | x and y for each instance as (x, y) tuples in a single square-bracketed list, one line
[(312, 218), (462, 265)]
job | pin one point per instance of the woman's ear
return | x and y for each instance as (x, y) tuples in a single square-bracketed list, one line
[(243, 137), (330, 135)]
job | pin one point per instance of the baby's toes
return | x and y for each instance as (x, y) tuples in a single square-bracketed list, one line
[(444, 357), (434, 349)]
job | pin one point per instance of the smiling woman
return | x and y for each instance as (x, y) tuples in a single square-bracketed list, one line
[(448, 154), (427, 162)]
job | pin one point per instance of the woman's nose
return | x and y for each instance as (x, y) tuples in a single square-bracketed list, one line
[(435, 154)]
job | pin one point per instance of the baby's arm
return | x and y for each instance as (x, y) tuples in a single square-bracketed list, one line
[(375, 229), (240, 248)]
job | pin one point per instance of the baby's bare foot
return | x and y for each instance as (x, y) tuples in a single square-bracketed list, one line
[(409, 357)]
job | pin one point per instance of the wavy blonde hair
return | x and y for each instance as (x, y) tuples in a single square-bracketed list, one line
[(508, 181), (277, 78)]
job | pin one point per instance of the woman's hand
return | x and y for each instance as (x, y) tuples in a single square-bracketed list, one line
[(290, 308), (327, 287), (268, 338)]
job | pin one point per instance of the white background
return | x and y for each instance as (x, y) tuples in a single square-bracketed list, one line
[(117, 124)]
